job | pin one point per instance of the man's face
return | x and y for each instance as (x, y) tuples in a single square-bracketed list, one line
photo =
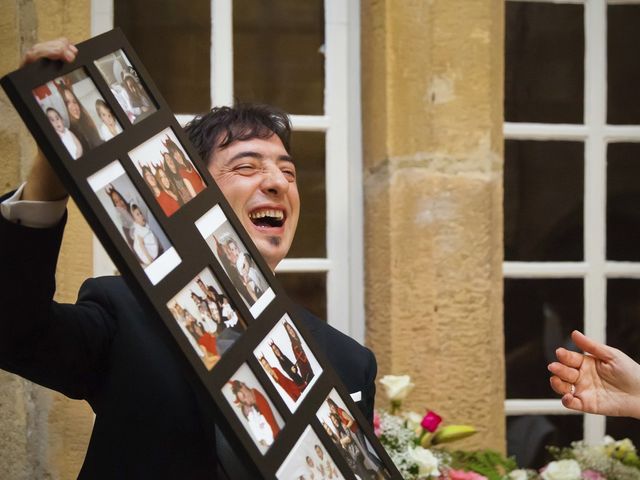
[(258, 178)]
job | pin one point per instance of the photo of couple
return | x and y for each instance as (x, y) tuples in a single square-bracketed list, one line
[(253, 407), (124, 83), (344, 431), (288, 362), (206, 317), (235, 259), (134, 221)]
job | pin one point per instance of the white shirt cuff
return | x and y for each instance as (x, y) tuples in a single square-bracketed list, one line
[(32, 213)]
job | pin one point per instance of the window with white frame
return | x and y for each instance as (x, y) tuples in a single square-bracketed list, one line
[(302, 57), (571, 205)]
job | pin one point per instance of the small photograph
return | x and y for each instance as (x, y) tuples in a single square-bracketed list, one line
[(235, 260), (123, 80), (288, 361), (253, 407), (135, 222), (308, 460), (207, 317), (167, 171), (77, 112), (346, 434)]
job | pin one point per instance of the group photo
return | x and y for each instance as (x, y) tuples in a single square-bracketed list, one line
[(309, 460), (206, 317), (77, 112), (168, 172)]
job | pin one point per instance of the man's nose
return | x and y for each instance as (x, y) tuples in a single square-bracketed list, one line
[(273, 180)]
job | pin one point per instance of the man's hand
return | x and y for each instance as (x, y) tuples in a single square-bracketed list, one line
[(603, 380), (59, 49), (42, 182)]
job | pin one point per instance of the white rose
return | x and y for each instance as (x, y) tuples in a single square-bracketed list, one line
[(397, 387), (562, 470), (413, 420), (518, 474), (427, 462)]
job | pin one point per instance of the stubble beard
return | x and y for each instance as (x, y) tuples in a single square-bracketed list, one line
[(275, 241)]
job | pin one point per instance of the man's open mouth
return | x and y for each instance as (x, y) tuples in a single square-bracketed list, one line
[(267, 218)]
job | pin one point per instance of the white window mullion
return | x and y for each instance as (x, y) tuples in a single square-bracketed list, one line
[(544, 131), (595, 286), (300, 265), (337, 182), (221, 52), (310, 123), (622, 133), (101, 17), (516, 406), (356, 182), (544, 269)]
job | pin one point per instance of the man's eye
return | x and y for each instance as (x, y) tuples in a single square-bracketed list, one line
[(245, 168), (290, 174)]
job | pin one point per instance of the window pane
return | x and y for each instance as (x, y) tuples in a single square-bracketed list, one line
[(543, 201), (278, 54), (544, 64), (623, 332), (623, 315), (173, 43), (622, 427), (308, 150), (623, 68), (308, 290), (528, 435), (540, 315), (623, 201)]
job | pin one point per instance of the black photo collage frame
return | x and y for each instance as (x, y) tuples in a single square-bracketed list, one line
[(142, 187)]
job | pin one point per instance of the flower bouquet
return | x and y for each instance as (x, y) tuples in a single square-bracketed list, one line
[(611, 460), (414, 442)]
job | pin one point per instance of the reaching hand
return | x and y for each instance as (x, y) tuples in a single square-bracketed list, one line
[(603, 380)]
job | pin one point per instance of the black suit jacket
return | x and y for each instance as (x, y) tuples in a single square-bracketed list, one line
[(108, 350)]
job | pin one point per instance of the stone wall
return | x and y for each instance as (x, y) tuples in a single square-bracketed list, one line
[(432, 75), (42, 434)]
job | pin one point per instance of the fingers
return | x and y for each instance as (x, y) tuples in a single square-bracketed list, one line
[(569, 400), (597, 349), (573, 403), (569, 358), (59, 49), (565, 373), (560, 386)]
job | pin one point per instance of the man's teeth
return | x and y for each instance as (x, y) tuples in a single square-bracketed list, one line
[(277, 214)]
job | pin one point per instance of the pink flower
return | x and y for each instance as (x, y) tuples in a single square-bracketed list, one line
[(431, 421), (377, 427), (593, 475), (462, 475)]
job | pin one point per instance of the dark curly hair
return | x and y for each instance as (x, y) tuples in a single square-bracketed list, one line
[(222, 126)]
